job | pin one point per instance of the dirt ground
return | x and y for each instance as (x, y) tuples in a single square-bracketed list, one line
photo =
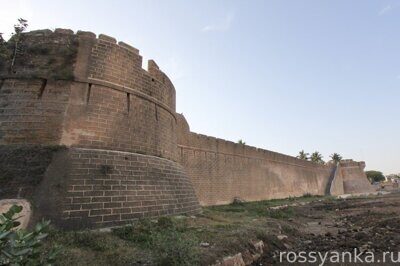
[(305, 224), (369, 225)]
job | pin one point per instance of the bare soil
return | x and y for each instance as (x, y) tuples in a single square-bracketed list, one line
[(369, 224), (309, 223)]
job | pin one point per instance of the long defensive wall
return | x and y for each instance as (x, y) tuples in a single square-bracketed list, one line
[(94, 140)]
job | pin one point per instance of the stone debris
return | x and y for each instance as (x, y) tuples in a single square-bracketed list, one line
[(24, 215), (204, 244), (281, 237)]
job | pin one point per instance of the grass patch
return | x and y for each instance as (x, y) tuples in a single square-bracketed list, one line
[(226, 229), (284, 213), (261, 208), (171, 242)]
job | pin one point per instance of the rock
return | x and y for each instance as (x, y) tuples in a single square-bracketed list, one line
[(361, 236), (235, 260), (259, 247), (204, 244), (281, 237), (363, 248), (24, 215), (279, 207), (237, 200), (287, 246)]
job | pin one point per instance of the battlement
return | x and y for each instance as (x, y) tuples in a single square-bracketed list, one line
[(83, 90), (209, 144), (64, 55), (352, 163)]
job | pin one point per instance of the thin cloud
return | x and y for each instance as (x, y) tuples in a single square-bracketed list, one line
[(223, 25), (386, 10)]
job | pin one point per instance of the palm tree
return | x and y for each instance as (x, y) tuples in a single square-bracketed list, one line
[(303, 155), (336, 157), (316, 157)]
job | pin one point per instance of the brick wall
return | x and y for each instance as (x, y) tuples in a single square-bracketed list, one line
[(219, 177), (222, 170), (123, 65), (116, 119), (98, 96), (108, 188), (32, 110), (104, 118)]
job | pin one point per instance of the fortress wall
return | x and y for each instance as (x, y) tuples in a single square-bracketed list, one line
[(122, 65), (336, 187), (128, 154), (222, 170), (92, 95), (34, 92), (89, 188), (108, 188), (121, 106), (86, 92), (30, 114), (354, 178), (38, 111), (104, 118)]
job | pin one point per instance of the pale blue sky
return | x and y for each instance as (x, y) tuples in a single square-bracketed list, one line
[(281, 75)]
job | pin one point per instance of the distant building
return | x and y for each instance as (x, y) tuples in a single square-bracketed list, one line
[(394, 178)]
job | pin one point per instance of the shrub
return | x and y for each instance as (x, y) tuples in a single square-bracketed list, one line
[(283, 213), (20, 247)]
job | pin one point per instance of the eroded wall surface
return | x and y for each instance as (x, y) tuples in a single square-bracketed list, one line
[(354, 178)]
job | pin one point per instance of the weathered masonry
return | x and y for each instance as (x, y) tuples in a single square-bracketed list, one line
[(94, 140)]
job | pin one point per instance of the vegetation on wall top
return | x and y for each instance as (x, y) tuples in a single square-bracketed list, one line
[(43, 54)]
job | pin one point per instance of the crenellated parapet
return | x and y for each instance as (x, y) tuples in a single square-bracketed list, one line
[(63, 55)]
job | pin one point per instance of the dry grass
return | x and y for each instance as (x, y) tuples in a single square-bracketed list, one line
[(227, 229)]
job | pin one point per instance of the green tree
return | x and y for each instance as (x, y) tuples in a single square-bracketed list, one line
[(303, 155), (316, 157), (375, 176), (240, 141), (17, 37), (336, 157), (20, 247)]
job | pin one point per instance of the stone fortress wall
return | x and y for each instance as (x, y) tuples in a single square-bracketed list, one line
[(117, 120), (222, 170), (128, 153)]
